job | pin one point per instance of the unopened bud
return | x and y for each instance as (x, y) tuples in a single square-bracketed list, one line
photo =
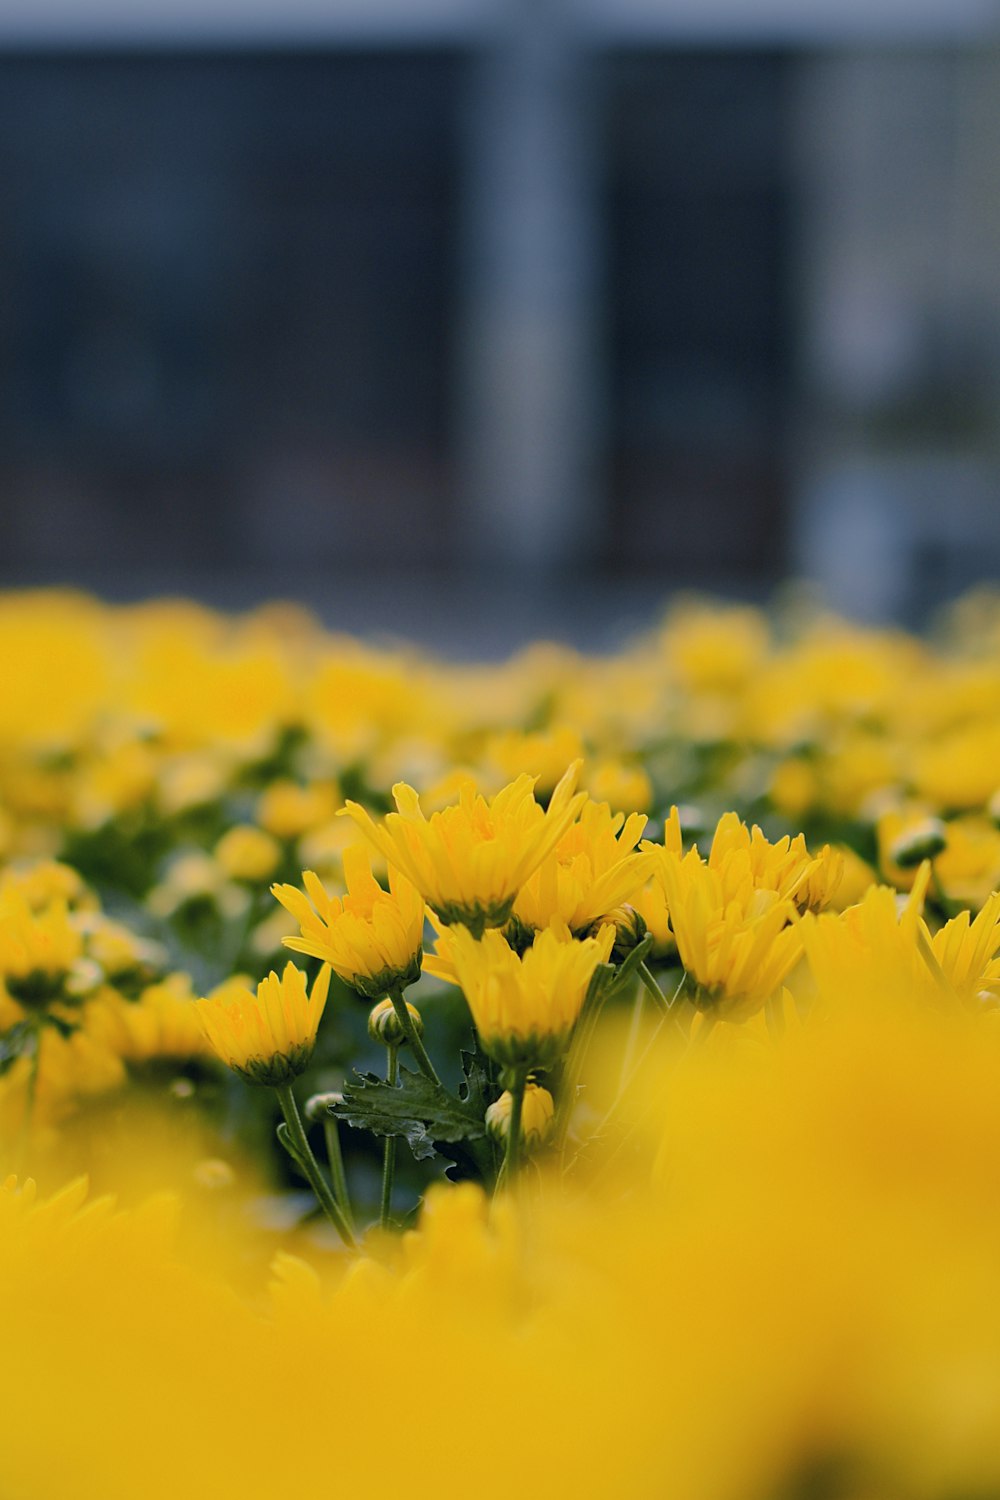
[(536, 1115), (630, 929), (921, 841), (213, 1173), (385, 1026), (318, 1106)]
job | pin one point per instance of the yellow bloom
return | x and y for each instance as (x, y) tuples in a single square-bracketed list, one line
[(287, 810), (267, 1038), (373, 939), (545, 755), (163, 1023), (907, 836), (525, 1007), (968, 868), (874, 947), (593, 868), (734, 943), (248, 853), (967, 950), (785, 867), (37, 949), (470, 861)]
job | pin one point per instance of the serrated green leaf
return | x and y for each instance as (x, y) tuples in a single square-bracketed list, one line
[(419, 1111)]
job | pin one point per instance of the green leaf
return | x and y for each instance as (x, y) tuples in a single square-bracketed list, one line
[(14, 1043), (418, 1110), (629, 965)]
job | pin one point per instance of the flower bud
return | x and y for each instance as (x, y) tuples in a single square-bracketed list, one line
[(385, 1026), (921, 841), (630, 929), (318, 1106), (536, 1115)]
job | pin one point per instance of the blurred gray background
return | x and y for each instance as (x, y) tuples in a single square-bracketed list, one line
[(476, 321)]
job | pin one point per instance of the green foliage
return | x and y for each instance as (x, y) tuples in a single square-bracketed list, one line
[(423, 1113)]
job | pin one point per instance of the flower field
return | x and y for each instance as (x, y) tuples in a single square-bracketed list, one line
[(572, 1076)]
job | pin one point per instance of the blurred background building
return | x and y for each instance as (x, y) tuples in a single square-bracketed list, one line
[(477, 320)]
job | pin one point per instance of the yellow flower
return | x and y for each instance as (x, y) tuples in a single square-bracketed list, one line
[(734, 943), (470, 861), (37, 949), (267, 1038), (248, 853), (525, 1007), (162, 1023), (874, 947), (967, 950), (906, 837), (593, 868), (373, 939), (786, 867), (287, 810), (968, 869)]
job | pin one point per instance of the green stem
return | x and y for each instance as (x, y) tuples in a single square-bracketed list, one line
[(632, 1040), (512, 1158), (389, 1156), (31, 1093), (309, 1164), (665, 1006), (410, 1032), (331, 1135)]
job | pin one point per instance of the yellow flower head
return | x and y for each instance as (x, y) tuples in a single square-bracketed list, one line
[(967, 950), (248, 853), (878, 946), (267, 1038), (525, 1007), (592, 869), (470, 861), (162, 1024), (785, 867), (373, 939), (37, 949), (734, 943)]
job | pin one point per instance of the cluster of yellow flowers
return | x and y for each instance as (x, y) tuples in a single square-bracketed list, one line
[(681, 971)]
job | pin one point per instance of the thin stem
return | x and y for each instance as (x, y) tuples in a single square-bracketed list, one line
[(632, 1040), (512, 1158), (331, 1135), (309, 1164), (31, 1094), (389, 1156), (410, 1032), (665, 1006)]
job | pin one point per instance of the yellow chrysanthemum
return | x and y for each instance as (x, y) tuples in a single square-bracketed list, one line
[(248, 853), (735, 944), (267, 1038), (470, 861), (785, 867), (371, 938), (967, 950), (526, 1006), (37, 949), (873, 947), (592, 869), (162, 1023)]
